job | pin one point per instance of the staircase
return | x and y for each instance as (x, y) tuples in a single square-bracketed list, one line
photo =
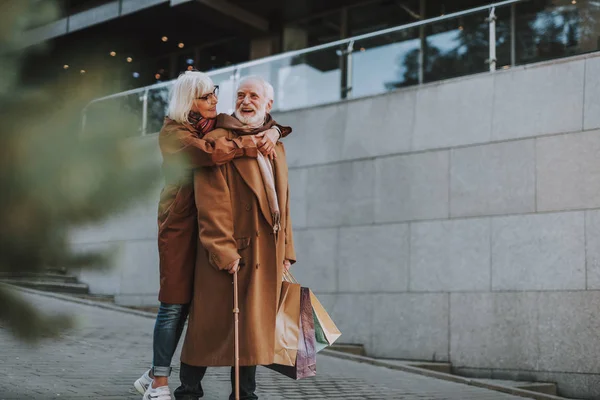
[(57, 281)]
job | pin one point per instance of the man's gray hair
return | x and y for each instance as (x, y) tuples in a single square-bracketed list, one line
[(267, 87)]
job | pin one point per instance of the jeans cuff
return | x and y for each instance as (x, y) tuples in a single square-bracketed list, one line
[(161, 371)]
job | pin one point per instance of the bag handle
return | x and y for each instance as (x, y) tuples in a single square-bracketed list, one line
[(288, 277)]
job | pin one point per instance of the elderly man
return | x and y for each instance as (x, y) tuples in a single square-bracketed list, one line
[(244, 223)]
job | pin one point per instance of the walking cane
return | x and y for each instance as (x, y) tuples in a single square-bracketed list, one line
[(236, 311)]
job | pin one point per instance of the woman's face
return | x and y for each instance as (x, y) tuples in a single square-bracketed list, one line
[(206, 104)]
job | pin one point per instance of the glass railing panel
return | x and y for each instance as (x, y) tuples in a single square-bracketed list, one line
[(302, 81)]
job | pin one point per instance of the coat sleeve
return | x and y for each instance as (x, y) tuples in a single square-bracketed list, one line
[(176, 140), (290, 251), (285, 130), (215, 216)]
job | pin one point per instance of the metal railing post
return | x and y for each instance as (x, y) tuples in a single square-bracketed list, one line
[(145, 112), (83, 120), (422, 43), (513, 35), (346, 69), (235, 81), (492, 45), (348, 87)]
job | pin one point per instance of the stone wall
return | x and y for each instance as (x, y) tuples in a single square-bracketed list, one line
[(457, 221)]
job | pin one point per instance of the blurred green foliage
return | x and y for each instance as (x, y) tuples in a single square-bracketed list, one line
[(52, 177)]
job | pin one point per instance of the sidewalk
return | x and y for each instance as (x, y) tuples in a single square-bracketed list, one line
[(109, 350)]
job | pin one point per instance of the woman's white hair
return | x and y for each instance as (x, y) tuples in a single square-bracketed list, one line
[(267, 87), (188, 86)]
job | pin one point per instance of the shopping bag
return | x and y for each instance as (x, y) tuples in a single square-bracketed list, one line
[(326, 331), (330, 331), (287, 330), (306, 357), (320, 338)]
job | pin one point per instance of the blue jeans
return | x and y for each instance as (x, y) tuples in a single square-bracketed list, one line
[(167, 332)]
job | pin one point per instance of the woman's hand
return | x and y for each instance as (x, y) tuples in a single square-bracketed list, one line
[(267, 141), (287, 264)]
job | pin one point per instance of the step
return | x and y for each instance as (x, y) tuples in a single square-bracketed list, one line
[(539, 387), (103, 298), (56, 287), (39, 276), (532, 390), (444, 367), (356, 349)]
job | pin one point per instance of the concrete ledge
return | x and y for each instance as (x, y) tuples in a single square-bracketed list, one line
[(86, 302), (540, 387), (442, 376)]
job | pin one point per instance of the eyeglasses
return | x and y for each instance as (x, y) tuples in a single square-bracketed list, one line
[(215, 94)]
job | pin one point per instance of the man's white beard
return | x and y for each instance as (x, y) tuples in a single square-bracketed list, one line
[(256, 121)]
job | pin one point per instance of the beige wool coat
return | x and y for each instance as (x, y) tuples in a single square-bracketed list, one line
[(234, 222)]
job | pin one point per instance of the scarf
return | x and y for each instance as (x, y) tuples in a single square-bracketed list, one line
[(267, 171), (201, 124)]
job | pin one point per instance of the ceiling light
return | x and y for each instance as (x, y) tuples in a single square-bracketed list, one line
[(181, 45), (129, 59), (136, 75), (164, 39), (113, 53), (66, 66), (157, 76), (82, 71)]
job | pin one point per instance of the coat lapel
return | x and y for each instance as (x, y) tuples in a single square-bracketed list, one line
[(250, 173)]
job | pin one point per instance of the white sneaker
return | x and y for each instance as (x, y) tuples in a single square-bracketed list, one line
[(142, 384), (160, 393)]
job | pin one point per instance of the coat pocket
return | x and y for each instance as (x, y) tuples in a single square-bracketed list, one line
[(175, 200), (168, 195)]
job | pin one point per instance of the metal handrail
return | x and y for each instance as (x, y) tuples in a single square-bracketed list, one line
[(347, 41)]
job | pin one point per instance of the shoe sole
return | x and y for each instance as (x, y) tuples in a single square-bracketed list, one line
[(139, 387)]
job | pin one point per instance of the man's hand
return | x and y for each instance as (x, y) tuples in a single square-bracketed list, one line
[(267, 141), (234, 267), (287, 264)]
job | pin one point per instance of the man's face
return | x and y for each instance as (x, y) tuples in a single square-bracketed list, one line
[(252, 104)]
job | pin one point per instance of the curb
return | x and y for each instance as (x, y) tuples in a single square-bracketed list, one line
[(77, 300), (441, 375)]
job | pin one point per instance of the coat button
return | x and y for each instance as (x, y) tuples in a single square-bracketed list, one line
[(257, 265), (248, 207), (257, 234)]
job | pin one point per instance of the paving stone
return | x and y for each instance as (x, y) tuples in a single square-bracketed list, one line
[(109, 350)]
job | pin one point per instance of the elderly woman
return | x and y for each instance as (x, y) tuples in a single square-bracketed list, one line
[(192, 114)]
